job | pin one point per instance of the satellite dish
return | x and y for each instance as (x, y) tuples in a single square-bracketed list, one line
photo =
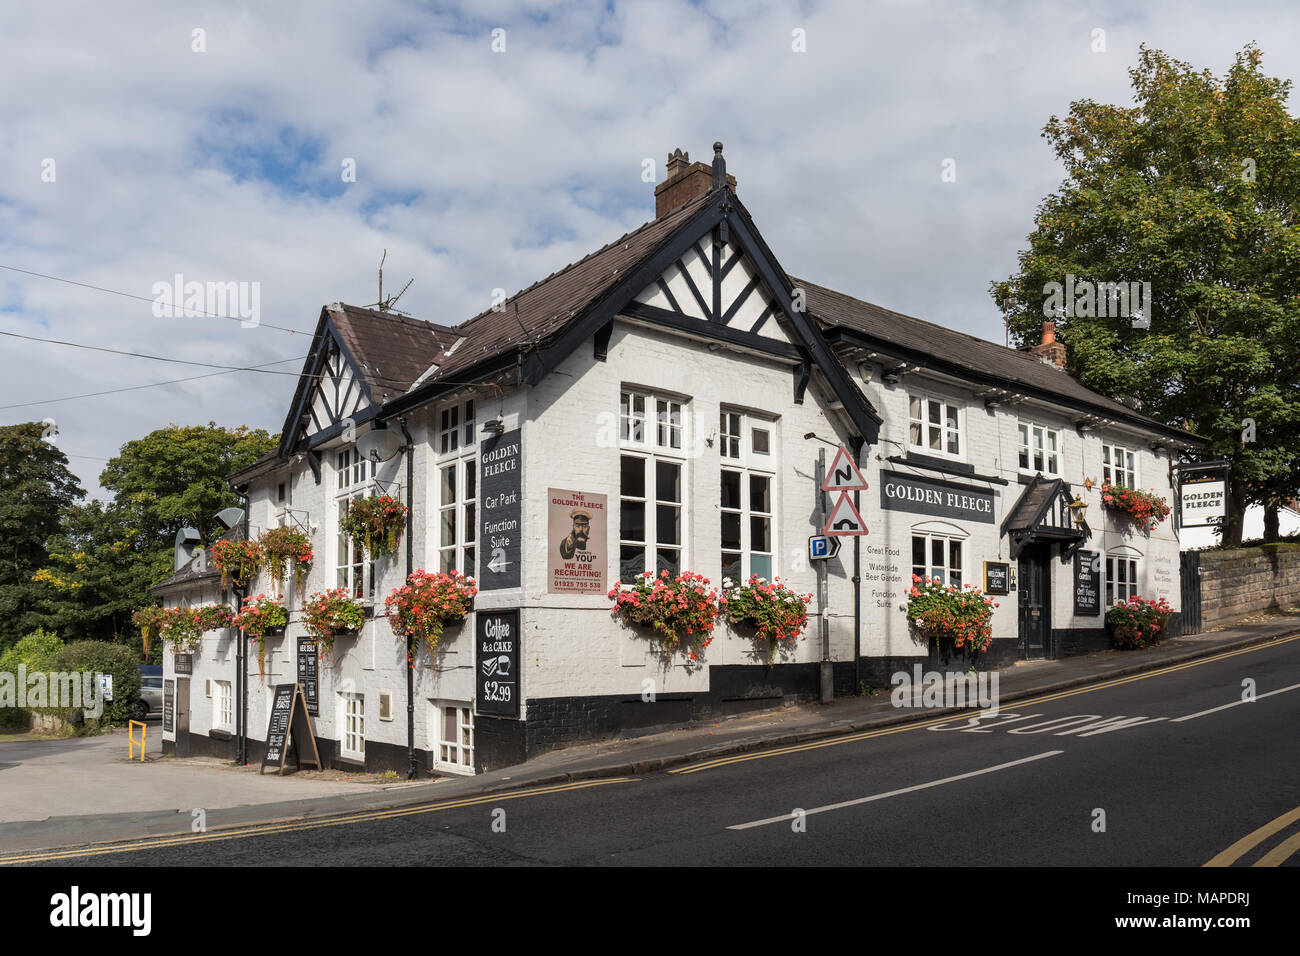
[(379, 444), (230, 517)]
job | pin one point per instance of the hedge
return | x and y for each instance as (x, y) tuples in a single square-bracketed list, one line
[(37, 652), (103, 658)]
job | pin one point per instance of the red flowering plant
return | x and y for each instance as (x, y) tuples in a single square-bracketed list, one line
[(375, 524), (426, 603), (681, 609), (960, 617), (777, 613), (1144, 507), (258, 618), (332, 612), (1135, 623), (282, 545), (184, 626), (237, 560)]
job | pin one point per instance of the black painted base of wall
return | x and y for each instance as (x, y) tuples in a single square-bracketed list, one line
[(380, 757), (1071, 641)]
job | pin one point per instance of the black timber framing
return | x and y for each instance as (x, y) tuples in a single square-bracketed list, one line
[(802, 373), (600, 341), (325, 336), (712, 330)]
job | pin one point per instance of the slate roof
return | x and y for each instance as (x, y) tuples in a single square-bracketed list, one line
[(189, 574), (391, 350)]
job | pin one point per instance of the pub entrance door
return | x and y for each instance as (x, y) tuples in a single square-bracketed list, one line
[(1035, 575), (182, 716)]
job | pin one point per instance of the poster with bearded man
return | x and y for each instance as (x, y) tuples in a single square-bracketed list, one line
[(575, 542)]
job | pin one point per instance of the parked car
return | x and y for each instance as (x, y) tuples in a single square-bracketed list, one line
[(149, 706)]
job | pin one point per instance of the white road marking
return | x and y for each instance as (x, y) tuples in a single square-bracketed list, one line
[(785, 817), (1235, 703)]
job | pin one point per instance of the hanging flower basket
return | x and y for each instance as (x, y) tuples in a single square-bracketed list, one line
[(1144, 507), (681, 610), (330, 614), (282, 545), (184, 626), (775, 612), (149, 620), (261, 617), (375, 524), (423, 606), (238, 561), (1137, 622), (957, 618)]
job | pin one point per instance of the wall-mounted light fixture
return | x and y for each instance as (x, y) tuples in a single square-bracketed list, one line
[(495, 427)]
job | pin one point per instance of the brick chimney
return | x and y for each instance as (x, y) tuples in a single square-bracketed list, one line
[(1050, 351), (687, 180)]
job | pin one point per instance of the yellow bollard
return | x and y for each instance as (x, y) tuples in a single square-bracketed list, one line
[(131, 741)]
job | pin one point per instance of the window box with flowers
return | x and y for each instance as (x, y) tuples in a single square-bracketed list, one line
[(427, 603), (279, 547), (330, 614), (952, 619), (262, 617), (774, 613), (375, 524), (681, 610), (238, 561), (1146, 508), (1137, 623)]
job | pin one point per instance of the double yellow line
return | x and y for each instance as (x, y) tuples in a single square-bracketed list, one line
[(270, 828), (1274, 857), (947, 718)]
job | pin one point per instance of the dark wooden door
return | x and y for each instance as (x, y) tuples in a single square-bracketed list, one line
[(182, 717), (1190, 581), (1035, 575)]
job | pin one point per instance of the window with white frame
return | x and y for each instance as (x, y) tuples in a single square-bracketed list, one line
[(223, 711), (651, 482), (457, 515), (354, 475), (1118, 465), (936, 555), (1121, 578), (456, 427), (934, 425), (454, 736), (352, 720), (1040, 449), (746, 495)]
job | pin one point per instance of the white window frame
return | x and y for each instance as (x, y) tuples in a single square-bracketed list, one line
[(946, 431), (456, 431), (352, 726), (354, 478), (1127, 467), (736, 428), (453, 756), (463, 508), (1033, 442), (1123, 572), (223, 706), (652, 428), (948, 540)]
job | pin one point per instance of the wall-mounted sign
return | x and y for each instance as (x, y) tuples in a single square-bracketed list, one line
[(309, 674), (843, 474), (169, 706), (184, 664), (1087, 583), (1203, 500), (500, 544), (496, 663), (997, 578), (932, 496), (845, 519), (576, 541)]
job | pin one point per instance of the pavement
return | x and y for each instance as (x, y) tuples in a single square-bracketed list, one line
[(46, 786)]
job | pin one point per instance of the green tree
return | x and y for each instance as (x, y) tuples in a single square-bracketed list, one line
[(1196, 190), (36, 488)]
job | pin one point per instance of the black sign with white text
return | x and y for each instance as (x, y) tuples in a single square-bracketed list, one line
[(169, 706), (997, 578), (309, 674), (496, 661), (1087, 583), (931, 496), (500, 540)]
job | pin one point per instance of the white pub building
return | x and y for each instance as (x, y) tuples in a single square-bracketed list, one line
[(660, 404)]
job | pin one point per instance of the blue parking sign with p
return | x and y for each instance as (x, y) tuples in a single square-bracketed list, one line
[(821, 547)]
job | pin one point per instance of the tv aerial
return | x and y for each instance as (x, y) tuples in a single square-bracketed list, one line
[(386, 305)]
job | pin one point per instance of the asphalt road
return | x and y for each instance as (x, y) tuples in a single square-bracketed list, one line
[(1198, 773)]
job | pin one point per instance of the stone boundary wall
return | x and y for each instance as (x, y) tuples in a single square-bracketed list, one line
[(1245, 581)]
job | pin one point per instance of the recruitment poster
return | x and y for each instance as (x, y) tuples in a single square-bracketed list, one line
[(576, 542)]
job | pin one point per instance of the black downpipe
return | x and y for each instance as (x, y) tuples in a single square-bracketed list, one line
[(857, 580), (412, 770), (241, 662)]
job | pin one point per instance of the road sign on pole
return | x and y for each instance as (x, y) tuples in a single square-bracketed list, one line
[(845, 520), (822, 547), (844, 474)]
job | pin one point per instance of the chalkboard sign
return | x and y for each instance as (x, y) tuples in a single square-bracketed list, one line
[(184, 664), (169, 706), (309, 674), (997, 577), (500, 546), (497, 663), (289, 726), (1087, 583)]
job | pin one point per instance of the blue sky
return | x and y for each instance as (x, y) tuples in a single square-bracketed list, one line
[(478, 169)]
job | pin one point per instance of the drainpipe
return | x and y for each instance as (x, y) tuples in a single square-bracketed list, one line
[(241, 660), (412, 770), (856, 443)]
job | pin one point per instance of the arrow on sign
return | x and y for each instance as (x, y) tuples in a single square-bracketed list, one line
[(498, 562), (845, 519), (821, 548), (844, 474)]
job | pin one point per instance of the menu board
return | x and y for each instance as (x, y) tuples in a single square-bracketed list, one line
[(1087, 583), (184, 664), (277, 732), (309, 674), (169, 706), (500, 542), (497, 663), (997, 577)]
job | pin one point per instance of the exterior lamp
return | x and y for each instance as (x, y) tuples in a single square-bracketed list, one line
[(1078, 508)]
